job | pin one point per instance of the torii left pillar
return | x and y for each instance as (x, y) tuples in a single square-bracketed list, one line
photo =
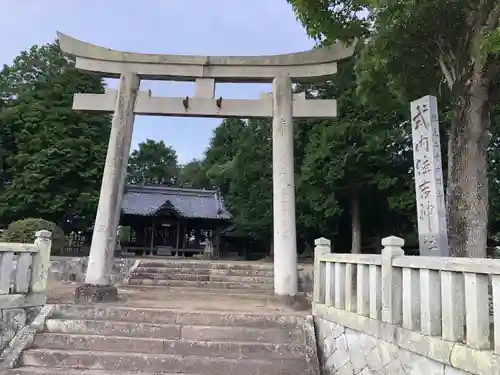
[(284, 226), (98, 287)]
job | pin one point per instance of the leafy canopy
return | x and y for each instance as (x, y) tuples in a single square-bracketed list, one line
[(51, 156), (153, 163)]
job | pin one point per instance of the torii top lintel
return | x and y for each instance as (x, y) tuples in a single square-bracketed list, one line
[(316, 64)]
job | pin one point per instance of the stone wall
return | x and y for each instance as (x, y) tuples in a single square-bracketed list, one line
[(406, 314), (12, 321), (344, 351)]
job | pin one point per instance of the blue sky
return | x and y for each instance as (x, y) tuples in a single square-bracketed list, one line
[(204, 27)]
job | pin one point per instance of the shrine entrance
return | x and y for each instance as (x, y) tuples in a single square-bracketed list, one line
[(206, 71)]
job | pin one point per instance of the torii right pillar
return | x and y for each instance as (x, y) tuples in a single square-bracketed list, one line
[(284, 226)]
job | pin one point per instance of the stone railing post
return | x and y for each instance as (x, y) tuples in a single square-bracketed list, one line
[(321, 246), (41, 261), (391, 280)]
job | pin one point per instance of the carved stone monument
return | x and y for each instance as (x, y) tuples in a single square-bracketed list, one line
[(205, 71), (429, 187)]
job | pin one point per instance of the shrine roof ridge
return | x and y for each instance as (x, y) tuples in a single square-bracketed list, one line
[(300, 66), (149, 200), (159, 189)]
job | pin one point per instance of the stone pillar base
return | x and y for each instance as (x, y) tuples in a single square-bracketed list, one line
[(89, 293), (298, 302)]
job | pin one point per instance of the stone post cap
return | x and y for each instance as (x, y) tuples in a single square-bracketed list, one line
[(322, 241), (43, 234), (393, 241)]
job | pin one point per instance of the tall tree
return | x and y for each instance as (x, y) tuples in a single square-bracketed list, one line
[(153, 163), (459, 54), (52, 156), (193, 175), (6, 144), (223, 147), (357, 161), (251, 191)]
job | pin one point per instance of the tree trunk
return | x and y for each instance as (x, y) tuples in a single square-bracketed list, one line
[(467, 191), (355, 224)]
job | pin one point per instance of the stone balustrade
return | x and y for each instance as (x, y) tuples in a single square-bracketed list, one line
[(24, 272), (446, 309)]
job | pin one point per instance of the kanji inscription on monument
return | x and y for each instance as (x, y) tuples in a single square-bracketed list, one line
[(429, 187)]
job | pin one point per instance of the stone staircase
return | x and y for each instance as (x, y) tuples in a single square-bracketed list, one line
[(112, 340), (214, 276)]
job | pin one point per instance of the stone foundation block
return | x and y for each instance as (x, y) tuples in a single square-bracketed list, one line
[(89, 293)]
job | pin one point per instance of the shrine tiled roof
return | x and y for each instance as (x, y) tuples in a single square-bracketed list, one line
[(149, 200)]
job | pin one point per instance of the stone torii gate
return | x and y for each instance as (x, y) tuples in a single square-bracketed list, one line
[(205, 71)]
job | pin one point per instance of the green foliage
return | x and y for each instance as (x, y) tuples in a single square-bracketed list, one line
[(492, 42), (219, 157), (362, 158), (366, 151), (446, 48), (153, 163), (238, 163), (52, 157), (344, 19), (125, 233), (494, 173), (193, 175), (250, 191), (23, 231)]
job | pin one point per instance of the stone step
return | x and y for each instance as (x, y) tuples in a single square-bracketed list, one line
[(245, 272), (170, 276), (159, 346), (176, 270), (243, 279), (209, 365), (114, 328), (68, 371), (204, 284), (210, 265), (207, 271), (241, 266), (196, 277), (159, 263), (195, 290), (165, 316), (173, 331)]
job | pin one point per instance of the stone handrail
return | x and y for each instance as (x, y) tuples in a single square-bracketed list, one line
[(24, 272), (448, 303)]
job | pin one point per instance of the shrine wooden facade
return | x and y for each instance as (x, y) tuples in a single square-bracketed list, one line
[(161, 220)]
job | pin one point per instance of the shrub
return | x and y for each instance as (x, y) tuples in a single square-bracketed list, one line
[(125, 233), (23, 231)]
